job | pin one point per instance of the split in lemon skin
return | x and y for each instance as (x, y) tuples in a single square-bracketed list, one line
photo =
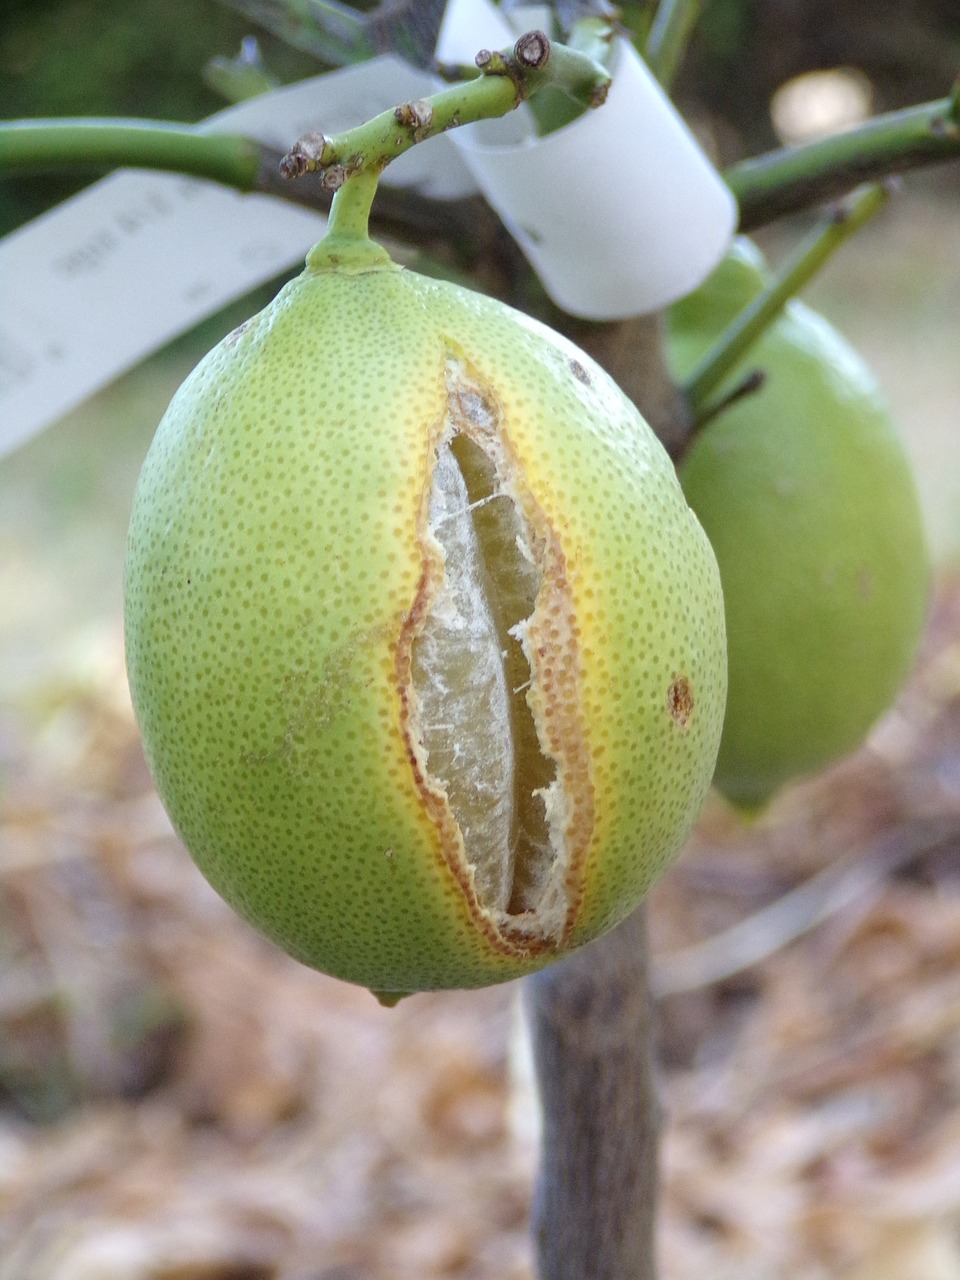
[(806, 494), (426, 647)]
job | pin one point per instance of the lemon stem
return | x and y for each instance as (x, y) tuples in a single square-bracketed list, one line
[(347, 242), (737, 339), (350, 211)]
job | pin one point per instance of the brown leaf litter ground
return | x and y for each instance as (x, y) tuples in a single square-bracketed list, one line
[(178, 1101)]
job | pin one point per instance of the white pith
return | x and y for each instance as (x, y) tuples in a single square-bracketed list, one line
[(480, 722)]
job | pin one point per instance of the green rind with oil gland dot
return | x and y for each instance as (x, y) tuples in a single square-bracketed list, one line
[(273, 559)]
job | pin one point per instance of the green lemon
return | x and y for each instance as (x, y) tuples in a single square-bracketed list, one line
[(425, 644), (807, 497)]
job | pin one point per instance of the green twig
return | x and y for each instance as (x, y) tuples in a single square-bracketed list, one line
[(743, 332), (593, 37), (766, 187), (350, 163), (669, 36), (505, 80), (240, 163), (551, 107), (140, 144), (769, 186), (748, 385)]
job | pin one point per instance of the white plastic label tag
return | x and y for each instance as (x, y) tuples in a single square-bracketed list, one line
[(620, 212), (106, 278), (99, 283), (469, 26)]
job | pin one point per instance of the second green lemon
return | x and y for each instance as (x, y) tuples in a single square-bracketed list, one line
[(806, 494)]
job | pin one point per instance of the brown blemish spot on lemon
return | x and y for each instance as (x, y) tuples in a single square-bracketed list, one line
[(680, 701), (489, 676)]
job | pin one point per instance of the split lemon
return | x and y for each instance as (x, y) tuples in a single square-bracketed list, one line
[(426, 647)]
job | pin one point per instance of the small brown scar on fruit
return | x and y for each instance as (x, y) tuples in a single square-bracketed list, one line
[(580, 373), (680, 701)]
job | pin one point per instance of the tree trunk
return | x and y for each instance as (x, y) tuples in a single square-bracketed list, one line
[(591, 1026)]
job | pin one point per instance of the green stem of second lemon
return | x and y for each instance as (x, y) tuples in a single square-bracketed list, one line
[(734, 343)]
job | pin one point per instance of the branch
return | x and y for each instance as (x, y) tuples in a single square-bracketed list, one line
[(244, 164), (766, 187), (553, 109), (241, 78), (769, 186), (350, 163), (737, 339), (136, 144), (505, 80), (591, 1023)]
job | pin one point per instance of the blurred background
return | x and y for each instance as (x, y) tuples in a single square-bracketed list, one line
[(178, 1101)]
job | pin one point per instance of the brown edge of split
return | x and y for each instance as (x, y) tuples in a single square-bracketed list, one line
[(551, 647)]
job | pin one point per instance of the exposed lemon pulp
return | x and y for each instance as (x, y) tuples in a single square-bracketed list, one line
[(471, 675)]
